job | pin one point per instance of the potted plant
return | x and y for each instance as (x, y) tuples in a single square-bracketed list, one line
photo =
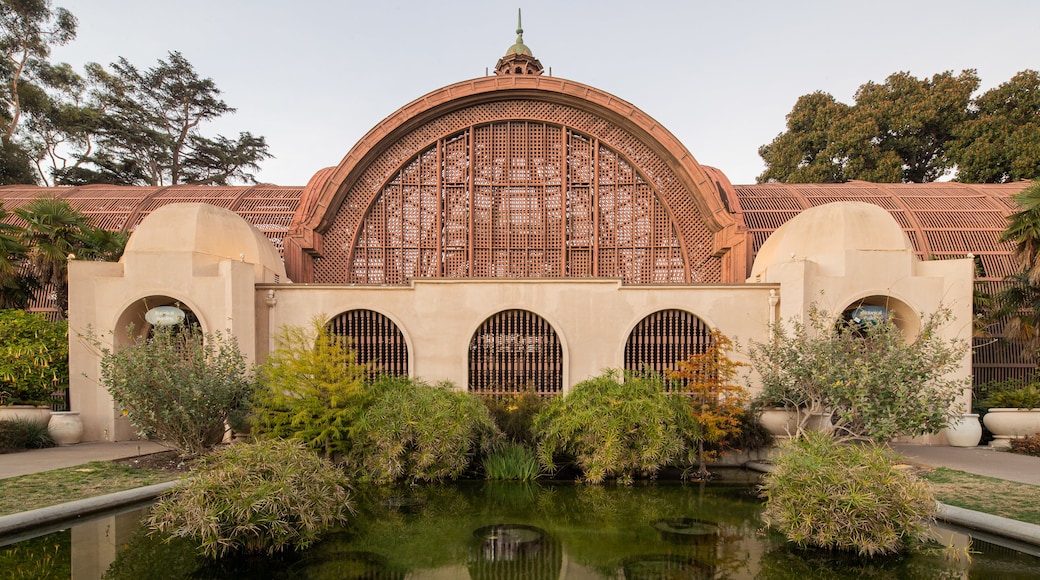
[(1012, 413)]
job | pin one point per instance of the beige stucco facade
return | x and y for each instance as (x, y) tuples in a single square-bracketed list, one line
[(224, 271)]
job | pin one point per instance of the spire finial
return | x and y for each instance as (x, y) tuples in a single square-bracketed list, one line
[(519, 28), (518, 58)]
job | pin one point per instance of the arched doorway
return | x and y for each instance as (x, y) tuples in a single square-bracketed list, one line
[(515, 350), (377, 340)]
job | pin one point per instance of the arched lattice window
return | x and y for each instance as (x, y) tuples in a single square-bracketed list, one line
[(377, 340), (518, 199), (663, 338), (515, 350)]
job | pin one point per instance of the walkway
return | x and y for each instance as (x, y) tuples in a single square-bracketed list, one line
[(978, 460), (37, 460)]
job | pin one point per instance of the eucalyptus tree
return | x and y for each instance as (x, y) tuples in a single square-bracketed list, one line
[(150, 132)]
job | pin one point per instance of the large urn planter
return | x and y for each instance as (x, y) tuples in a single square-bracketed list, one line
[(65, 427), (781, 422), (38, 414), (964, 431), (1006, 424)]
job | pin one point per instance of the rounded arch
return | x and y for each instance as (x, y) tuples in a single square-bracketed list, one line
[(331, 223), (665, 337), (514, 350), (376, 339), (131, 318), (906, 319)]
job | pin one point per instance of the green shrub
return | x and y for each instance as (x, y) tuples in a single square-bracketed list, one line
[(1022, 397), (310, 388), (512, 461), (1027, 445), (845, 496), (258, 497), (875, 383), (514, 414), (24, 434), (415, 431), (179, 385), (614, 430), (34, 357)]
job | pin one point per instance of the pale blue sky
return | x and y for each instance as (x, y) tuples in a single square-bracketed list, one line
[(314, 76)]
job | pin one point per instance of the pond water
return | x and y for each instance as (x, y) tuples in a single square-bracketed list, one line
[(508, 530)]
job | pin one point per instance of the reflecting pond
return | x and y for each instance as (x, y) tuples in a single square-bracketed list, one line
[(531, 531)]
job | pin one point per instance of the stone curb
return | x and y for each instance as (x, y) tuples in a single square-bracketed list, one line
[(996, 525), (70, 512)]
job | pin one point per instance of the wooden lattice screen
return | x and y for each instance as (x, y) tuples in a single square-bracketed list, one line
[(663, 338), (376, 339), (515, 350), (518, 199)]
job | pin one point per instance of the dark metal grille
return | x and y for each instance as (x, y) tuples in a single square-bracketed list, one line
[(376, 339), (515, 350), (664, 338), (518, 199)]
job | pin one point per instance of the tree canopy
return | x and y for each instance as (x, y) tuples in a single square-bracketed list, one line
[(914, 131), (122, 126)]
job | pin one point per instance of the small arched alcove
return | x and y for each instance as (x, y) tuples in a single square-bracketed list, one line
[(377, 340), (664, 338), (515, 350)]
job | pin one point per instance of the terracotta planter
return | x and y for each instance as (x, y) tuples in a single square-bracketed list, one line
[(782, 423), (27, 412), (1007, 424), (66, 427), (964, 431)]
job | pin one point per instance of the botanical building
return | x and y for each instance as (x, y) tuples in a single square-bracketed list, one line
[(524, 230)]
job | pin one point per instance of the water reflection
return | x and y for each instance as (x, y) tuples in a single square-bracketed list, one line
[(503, 530)]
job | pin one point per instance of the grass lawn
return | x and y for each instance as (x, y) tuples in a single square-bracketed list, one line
[(26, 492), (1018, 501)]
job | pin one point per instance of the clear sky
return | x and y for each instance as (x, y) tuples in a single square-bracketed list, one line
[(314, 76)]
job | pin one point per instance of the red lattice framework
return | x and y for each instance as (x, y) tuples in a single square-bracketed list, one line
[(664, 338), (515, 350), (518, 189)]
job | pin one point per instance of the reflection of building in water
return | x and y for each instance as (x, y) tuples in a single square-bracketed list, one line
[(525, 231)]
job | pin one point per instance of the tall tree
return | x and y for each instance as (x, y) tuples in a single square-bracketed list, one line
[(1018, 303), (1000, 142), (151, 132), (894, 132), (28, 30)]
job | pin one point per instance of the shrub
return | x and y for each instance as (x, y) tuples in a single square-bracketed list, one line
[(1022, 397), (514, 414), (179, 385), (512, 461), (24, 434), (411, 430), (845, 496), (310, 388), (712, 400), (875, 383), (258, 497), (613, 430), (1027, 445), (34, 357)]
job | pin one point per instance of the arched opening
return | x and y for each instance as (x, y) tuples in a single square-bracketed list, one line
[(513, 351), (878, 309), (377, 340), (134, 322), (664, 338)]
